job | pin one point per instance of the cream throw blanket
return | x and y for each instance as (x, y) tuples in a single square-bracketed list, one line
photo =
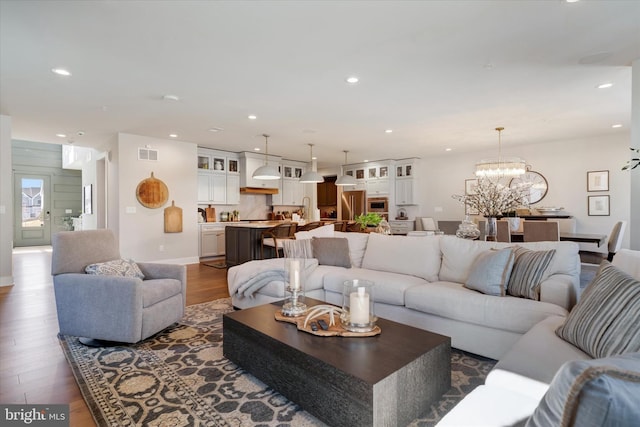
[(246, 279)]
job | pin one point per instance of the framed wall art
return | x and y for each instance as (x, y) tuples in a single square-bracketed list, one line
[(598, 205), (598, 181), (470, 188)]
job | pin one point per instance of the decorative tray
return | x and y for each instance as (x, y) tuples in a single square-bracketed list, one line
[(332, 331)]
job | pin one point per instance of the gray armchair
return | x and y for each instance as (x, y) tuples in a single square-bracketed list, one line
[(112, 308)]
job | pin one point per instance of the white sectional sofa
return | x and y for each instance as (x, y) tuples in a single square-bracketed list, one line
[(419, 281), (515, 387)]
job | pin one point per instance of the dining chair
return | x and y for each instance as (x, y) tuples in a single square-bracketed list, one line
[(274, 236), (340, 225), (310, 226), (449, 227), (613, 246), (503, 232), (567, 225), (541, 231), (426, 224)]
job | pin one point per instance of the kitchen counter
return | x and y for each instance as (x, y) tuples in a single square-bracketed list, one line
[(256, 224)]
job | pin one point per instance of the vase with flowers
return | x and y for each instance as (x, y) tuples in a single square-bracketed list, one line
[(491, 199)]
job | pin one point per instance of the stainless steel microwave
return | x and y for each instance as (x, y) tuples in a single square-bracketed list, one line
[(378, 204)]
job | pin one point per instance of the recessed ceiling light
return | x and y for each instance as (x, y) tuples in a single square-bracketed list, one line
[(216, 130), (366, 161), (605, 85), (388, 130), (173, 135), (352, 80), (61, 135), (617, 125), (171, 98), (252, 117), (572, 1), (447, 149), (61, 71), (256, 149)]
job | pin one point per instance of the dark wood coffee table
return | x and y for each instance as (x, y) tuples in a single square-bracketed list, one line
[(385, 380)]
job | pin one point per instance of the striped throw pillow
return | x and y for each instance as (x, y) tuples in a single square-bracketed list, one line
[(606, 320), (528, 272), (294, 248)]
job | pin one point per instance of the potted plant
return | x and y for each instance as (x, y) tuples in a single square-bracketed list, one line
[(371, 219)]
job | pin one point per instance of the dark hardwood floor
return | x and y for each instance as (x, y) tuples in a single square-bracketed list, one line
[(33, 368)]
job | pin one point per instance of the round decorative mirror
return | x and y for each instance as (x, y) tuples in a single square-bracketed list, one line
[(538, 185)]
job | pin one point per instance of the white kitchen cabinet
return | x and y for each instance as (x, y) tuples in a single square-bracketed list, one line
[(292, 192), (233, 189), (405, 187), (212, 187), (212, 240), (377, 187), (405, 192), (276, 199)]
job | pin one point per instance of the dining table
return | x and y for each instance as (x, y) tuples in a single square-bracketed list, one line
[(598, 239)]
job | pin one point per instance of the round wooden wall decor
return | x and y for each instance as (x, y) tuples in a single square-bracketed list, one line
[(152, 193)]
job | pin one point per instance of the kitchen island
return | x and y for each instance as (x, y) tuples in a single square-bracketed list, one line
[(242, 240)]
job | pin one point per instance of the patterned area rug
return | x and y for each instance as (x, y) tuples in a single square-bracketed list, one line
[(180, 378)]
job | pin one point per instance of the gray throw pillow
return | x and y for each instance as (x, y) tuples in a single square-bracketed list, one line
[(331, 251), (490, 272), (590, 393), (528, 272), (606, 320), (117, 267)]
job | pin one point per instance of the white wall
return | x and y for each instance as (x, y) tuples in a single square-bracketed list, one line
[(634, 225), (564, 164), (141, 234), (6, 203)]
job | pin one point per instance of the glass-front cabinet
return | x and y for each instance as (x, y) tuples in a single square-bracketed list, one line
[(405, 185), (218, 180)]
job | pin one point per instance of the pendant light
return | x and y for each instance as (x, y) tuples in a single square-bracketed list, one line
[(311, 176), (266, 172), (507, 167), (345, 180)]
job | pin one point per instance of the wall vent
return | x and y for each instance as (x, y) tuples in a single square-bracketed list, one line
[(147, 154)]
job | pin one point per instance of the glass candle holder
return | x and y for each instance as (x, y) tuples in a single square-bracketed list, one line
[(357, 303), (294, 287)]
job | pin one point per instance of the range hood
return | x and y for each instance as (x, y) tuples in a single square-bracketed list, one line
[(258, 190)]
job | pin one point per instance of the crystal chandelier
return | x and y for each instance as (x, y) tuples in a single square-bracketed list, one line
[(508, 166)]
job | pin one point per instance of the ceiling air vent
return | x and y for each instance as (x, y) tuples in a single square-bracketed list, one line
[(147, 154)]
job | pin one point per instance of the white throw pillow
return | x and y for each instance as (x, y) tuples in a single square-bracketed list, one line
[(357, 246), (417, 256), (458, 256), (324, 231)]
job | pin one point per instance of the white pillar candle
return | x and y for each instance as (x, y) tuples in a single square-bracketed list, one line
[(294, 274), (359, 306)]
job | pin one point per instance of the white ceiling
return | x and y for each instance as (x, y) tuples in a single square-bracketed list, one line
[(441, 74)]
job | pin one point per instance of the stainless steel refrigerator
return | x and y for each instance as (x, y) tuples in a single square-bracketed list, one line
[(353, 204)]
